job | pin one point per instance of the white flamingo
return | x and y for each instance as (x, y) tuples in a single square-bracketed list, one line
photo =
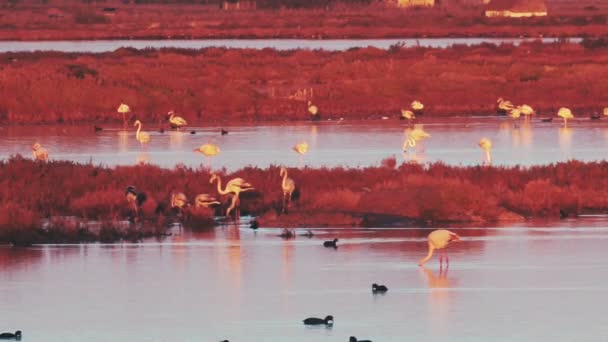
[(439, 239)]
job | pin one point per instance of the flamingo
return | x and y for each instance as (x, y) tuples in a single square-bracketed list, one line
[(205, 201), (409, 142), (439, 239), (179, 202), (124, 109), (40, 153), (235, 186), (142, 137), (208, 150), (504, 107), (417, 107), (515, 113), (486, 145), (526, 110), (135, 199), (605, 111), (288, 186), (407, 115), (314, 111), (566, 114), (176, 121)]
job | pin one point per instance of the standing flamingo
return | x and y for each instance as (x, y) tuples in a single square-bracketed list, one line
[(179, 202), (526, 110), (439, 239), (208, 150), (205, 201), (142, 137), (417, 107), (235, 187), (314, 112), (135, 199), (486, 146), (288, 186), (40, 153), (176, 121), (504, 107), (124, 109), (566, 114)]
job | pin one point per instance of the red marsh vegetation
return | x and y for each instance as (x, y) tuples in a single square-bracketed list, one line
[(75, 20), (407, 194), (240, 85)]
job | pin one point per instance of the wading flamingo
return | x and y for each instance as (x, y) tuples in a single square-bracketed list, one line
[(205, 201), (124, 109), (314, 112), (176, 121), (179, 202), (235, 187), (515, 113), (439, 239), (566, 114), (135, 199), (417, 107), (486, 146), (142, 137), (288, 186), (418, 135), (504, 107), (407, 115), (40, 153), (301, 147), (208, 150), (408, 143), (526, 110)]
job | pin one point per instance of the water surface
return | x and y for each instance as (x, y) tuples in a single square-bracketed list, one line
[(531, 282), (354, 144), (279, 44)]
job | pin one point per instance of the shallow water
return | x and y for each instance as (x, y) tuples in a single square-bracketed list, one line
[(453, 141), (531, 282), (279, 44)]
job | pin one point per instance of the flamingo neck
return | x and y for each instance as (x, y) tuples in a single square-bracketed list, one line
[(488, 157), (219, 187), (428, 256), (138, 129), (284, 183)]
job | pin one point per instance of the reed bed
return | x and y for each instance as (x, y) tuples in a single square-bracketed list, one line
[(407, 194)]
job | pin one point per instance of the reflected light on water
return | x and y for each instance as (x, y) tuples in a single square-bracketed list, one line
[(143, 158), (176, 140), (439, 300), (123, 141), (565, 137)]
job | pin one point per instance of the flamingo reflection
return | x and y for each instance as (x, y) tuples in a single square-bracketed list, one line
[(143, 158), (439, 298)]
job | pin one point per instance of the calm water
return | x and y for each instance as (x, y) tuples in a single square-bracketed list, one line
[(331, 143), (531, 282), (279, 44)]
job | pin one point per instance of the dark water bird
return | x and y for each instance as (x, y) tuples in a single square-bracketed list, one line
[(192, 132), (329, 320), (546, 119), (287, 233), (254, 224), (354, 339), (379, 288), (161, 130), (224, 132), (595, 117), (563, 214), (10, 336), (308, 234), (331, 243), (97, 128), (224, 341)]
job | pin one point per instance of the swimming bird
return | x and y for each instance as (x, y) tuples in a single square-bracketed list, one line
[(176, 121), (439, 239), (328, 320), (142, 137), (135, 199), (546, 119), (288, 186), (486, 146), (354, 339), (97, 128), (504, 107), (223, 131), (566, 114), (417, 107), (331, 243), (379, 288), (208, 150), (301, 147), (40, 153), (287, 233), (235, 187), (10, 336), (407, 115), (192, 132), (308, 233), (314, 112), (205, 201), (254, 224), (124, 109)]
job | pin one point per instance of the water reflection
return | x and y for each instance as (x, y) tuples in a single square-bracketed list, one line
[(565, 138), (123, 141), (439, 300), (176, 140), (143, 158)]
